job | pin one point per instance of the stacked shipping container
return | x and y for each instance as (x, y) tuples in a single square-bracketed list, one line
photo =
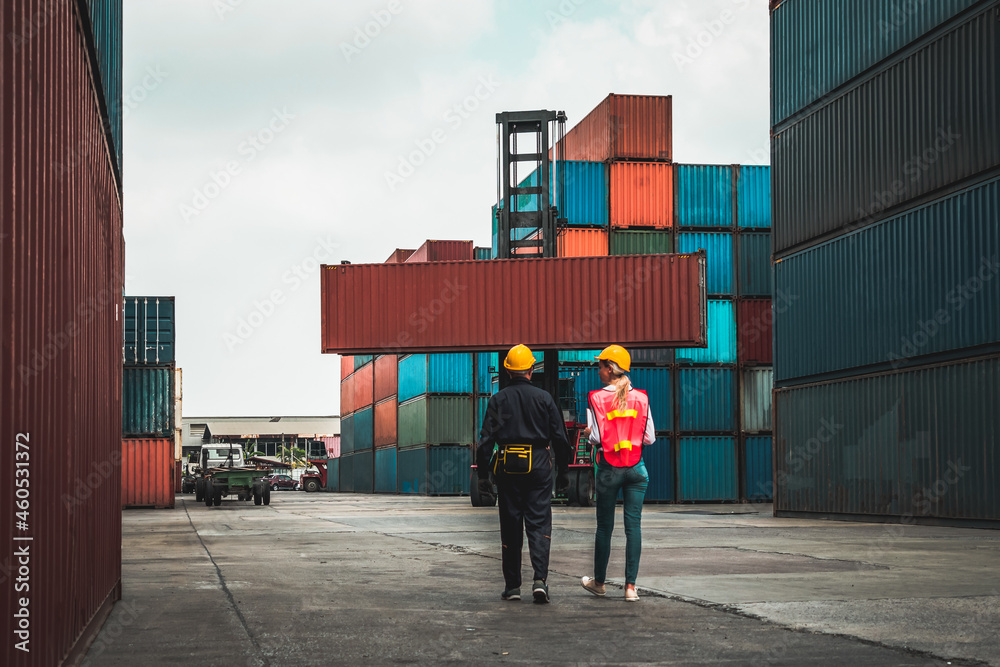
[(887, 254), (61, 276), (150, 385)]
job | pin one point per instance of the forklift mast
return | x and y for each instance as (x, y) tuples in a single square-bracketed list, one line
[(530, 230)]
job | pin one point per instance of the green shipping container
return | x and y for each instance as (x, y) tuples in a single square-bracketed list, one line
[(148, 402), (641, 242), (436, 420)]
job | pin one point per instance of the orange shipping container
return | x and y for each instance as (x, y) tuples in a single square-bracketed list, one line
[(346, 366), (583, 242), (148, 472), (385, 376), (364, 387), (347, 396), (385, 422), (641, 194), (634, 127)]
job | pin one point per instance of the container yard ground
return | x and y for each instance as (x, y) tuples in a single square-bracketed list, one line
[(327, 578)]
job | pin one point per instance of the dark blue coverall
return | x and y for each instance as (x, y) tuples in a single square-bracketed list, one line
[(526, 415)]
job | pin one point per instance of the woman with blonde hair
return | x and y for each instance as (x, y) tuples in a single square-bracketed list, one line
[(618, 420)]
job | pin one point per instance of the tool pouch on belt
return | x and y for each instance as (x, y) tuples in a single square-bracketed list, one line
[(514, 460)]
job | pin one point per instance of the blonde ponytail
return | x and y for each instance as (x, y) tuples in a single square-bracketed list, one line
[(622, 386)]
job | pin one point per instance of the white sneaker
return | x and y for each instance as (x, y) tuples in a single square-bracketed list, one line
[(593, 586)]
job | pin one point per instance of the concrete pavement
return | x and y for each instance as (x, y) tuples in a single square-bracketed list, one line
[(319, 579)]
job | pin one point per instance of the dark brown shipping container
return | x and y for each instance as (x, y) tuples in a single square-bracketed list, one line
[(386, 368), (347, 396), (399, 255), (346, 366), (148, 472), (440, 251), (753, 324), (569, 303), (385, 422), (61, 284), (623, 127), (364, 387)]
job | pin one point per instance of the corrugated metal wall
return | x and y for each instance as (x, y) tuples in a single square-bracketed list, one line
[(436, 420), (148, 402), (755, 276), (640, 242), (385, 470), (706, 468), (721, 347), (364, 429), (641, 194), (149, 331), (719, 270), (704, 195), (61, 281), (705, 399), (435, 374), (434, 471), (659, 461), (758, 472), (147, 469), (753, 196)]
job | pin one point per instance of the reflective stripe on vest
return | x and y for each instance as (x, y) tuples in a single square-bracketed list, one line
[(621, 429)]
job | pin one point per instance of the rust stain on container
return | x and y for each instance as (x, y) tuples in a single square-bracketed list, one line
[(637, 300), (148, 472), (385, 422), (641, 194), (440, 251), (635, 127), (61, 285), (385, 376)]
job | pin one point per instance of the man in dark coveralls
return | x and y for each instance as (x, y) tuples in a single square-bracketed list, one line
[(523, 420)]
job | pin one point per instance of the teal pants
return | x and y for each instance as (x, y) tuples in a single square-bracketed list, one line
[(632, 483)]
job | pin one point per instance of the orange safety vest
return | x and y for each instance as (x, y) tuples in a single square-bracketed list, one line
[(621, 431)]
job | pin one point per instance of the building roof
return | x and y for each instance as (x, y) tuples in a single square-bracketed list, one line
[(261, 427)]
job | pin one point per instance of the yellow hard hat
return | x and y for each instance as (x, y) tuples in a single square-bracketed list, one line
[(617, 354), (519, 358)]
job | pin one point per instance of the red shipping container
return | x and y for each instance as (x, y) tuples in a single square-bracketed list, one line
[(346, 365), (332, 444), (398, 256), (440, 251), (148, 472), (640, 194), (364, 384), (754, 319), (386, 370), (347, 396), (570, 303), (385, 422), (633, 127), (61, 286)]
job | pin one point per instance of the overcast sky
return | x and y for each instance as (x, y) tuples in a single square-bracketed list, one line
[(262, 137)]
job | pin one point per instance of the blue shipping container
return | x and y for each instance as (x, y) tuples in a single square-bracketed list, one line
[(347, 435), (485, 361), (364, 429), (148, 402), (421, 374), (364, 472), (922, 283), (817, 46), (385, 470), (719, 261), (757, 469), (148, 335), (659, 460), (657, 384), (704, 195), (721, 347), (753, 197), (333, 474), (705, 399), (706, 468), (755, 276), (434, 471)]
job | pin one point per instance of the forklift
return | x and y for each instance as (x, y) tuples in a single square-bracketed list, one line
[(532, 233)]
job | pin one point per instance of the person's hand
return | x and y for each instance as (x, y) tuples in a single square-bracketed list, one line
[(585, 432), (485, 487), (562, 482)]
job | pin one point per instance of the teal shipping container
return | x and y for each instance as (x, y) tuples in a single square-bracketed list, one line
[(421, 374), (362, 359), (480, 252), (480, 407), (578, 356), (705, 399), (385, 470), (435, 420), (364, 472), (106, 29), (147, 402), (585, 192), (755, 400), (757, 470), (484, 377), (659, 460), (721, 347), (333, 474), (706, 468), (346, 434), (920, 443), (719, 262), (657, 383), (704, 196), (364, 429), (346, 472), (434, 471), (753, 197), (148, 335), (818, 46), (754, 276)]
